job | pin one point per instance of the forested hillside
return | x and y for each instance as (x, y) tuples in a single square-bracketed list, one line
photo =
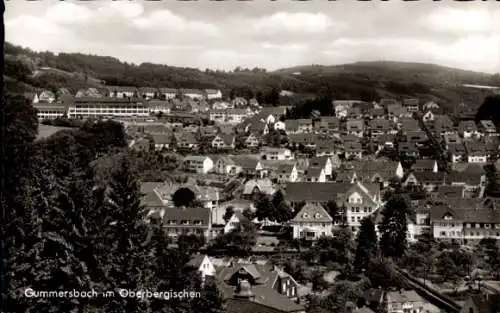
[(366, 81)]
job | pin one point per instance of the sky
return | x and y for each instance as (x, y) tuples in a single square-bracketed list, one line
[(263, 33)]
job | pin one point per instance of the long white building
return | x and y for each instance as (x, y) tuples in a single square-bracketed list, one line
[(107, 107), (49, 111)]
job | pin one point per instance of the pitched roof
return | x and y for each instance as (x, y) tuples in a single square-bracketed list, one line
[(404, 296), (312, 213), (318, 192)]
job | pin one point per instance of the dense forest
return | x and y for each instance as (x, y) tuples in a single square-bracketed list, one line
[(367, 81)]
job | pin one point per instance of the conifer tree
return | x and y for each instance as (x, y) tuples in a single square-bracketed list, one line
[(367, 246), (394, 227)]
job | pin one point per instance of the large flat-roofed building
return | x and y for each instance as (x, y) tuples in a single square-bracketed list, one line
[(107, 107), (50, 111)]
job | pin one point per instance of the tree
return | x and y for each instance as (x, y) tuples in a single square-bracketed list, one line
[(229, 213), (190, 243), (393, 228), (367, 247), (183, 197), (125, 233), (273, 97), (211, 301)]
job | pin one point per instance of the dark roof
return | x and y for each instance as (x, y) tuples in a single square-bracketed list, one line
[(470, 178), (320, 192), (188, 214)]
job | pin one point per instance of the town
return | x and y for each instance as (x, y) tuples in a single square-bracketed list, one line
[(386, 206)]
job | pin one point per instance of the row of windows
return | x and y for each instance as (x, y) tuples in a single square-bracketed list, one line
[(355, 218), (185, 222), (470, 225), (459, 233), (357, 209)]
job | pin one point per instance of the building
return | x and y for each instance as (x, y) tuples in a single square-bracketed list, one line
[(270, 153), (123, 92), (361, 201), (213, 94), (49, 111), (107, 107), (411, 105), (403, 301), (312, 222), (203, 265), (183, 221), (198, 164)]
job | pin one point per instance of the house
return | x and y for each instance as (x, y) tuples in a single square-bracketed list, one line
[(286, 173), (157, 106), (298, 126), (252, 140), (322, 162), (46, 96), (451, 139), (198, 164), (404, 301), (213, 94), (306, 140), (249, 166), (476, 152), (379, 127), (425, 165), (148, 93), (225, 165), (255, 288), (193, 94), (409, 150), (482, 303), (270, 115), (122, 92), (407, 125), (457, 152), (353, 150), (397, 111), (327, 125), (469, 180), (443, 124), (270, 153), (430, 106), (385, 141), (311, 223), (315, 193), (468, 129), (161, 141), (375, 171), (488, 128), (472, 220), (355, 127), (234, 222), (203, 265), (362, 200), (223, 141), (239, 102), (411, 105), (427, 180), (186, 220), (186, 140), (315, 174), (259, 186), (428, 116), (167, 93)]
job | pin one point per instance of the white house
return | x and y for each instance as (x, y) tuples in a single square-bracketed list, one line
[(213, 94), (198, 164), (362, 201), (315, 175), (428, 116), (204, 266), (167, 93), (404, 301), (311, 223), (279, 125), (270, 153), (233, 222)]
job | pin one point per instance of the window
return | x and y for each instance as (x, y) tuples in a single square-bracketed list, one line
[(352, 219), (357, 209)]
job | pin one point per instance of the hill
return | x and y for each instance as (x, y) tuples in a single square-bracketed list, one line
[(366, 81)]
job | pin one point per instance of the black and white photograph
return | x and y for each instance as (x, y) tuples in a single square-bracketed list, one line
[(250, 156)]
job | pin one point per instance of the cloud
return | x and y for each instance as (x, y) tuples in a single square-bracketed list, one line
[(301, 22), (454, 20), (165, 20)]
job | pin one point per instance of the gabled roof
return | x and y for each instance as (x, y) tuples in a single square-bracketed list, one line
[(318, 192), (312, 213), (404, 296)]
